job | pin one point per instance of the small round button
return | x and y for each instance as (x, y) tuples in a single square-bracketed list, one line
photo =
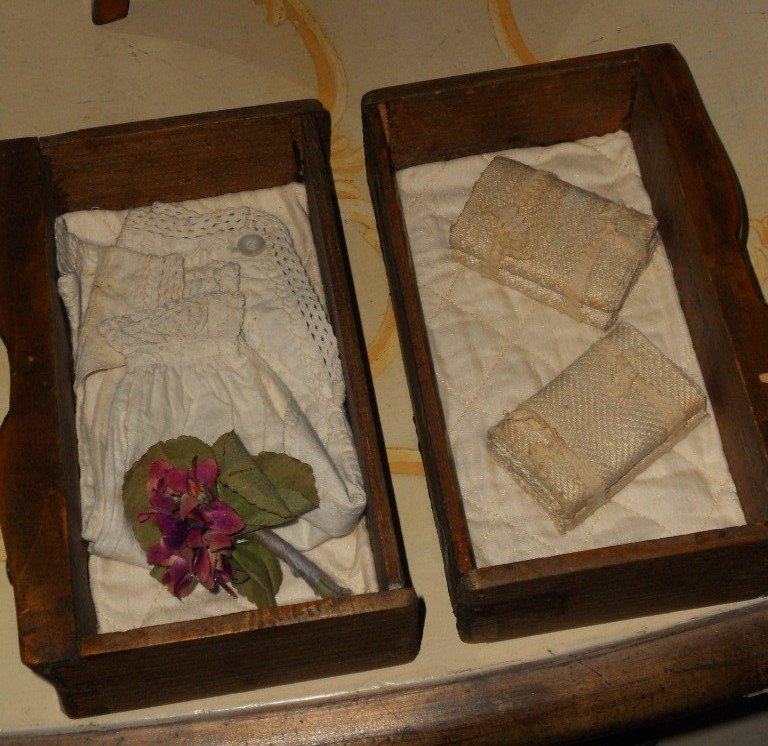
[(251, 244)]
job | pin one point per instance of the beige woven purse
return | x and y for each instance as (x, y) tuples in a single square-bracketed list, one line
[(563, 246), (605, 418)]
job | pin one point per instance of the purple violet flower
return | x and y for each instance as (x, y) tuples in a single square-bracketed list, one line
[(198, 530)]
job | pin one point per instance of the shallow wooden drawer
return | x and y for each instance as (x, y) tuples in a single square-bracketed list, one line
[(648, 92), (127, 166)]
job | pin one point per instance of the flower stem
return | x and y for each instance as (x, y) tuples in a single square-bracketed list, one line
[(303, 567)]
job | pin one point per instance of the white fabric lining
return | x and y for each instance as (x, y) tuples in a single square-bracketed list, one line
[(493, 347), (126, 596)]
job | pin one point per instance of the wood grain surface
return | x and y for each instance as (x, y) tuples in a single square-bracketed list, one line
[(38, 466), (563, 699), (107, 11)]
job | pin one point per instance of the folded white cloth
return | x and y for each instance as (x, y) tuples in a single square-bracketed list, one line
[(493, 347), (569, 248), (178, 328)]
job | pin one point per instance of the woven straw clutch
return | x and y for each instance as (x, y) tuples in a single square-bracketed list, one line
[(605, 418), (563, 246)]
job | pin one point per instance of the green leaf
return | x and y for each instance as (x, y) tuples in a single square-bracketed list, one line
[(179, 452), (256, 549), (157, 572), (293, 478), (256, 594), (239, 471), (254, 517), (263, 571)]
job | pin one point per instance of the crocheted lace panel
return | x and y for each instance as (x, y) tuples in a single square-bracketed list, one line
[(161, 228)]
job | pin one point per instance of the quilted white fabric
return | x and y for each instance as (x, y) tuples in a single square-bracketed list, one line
[(215, 337), (494, 347)]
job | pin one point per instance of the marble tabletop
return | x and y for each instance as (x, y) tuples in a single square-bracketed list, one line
[(58, 72)]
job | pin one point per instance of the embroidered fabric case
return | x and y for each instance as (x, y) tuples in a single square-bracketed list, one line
[(598, 424), (563, 246)]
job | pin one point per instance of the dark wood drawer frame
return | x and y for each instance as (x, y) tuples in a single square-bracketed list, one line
[(650, 93), (127, 166)]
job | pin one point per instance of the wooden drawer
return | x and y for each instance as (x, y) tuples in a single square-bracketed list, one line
[(648, 92), (127, 166)]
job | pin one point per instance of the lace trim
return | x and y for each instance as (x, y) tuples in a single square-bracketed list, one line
[(175, 221), (216, 277), (310, 308), (168, 284), (153, 229), (150, 228), (178, 328)]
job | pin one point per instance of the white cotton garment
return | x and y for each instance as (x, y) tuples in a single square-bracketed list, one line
[(183, 323), (493, 347)]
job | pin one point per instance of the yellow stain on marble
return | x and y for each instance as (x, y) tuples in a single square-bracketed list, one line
[(370, 234), (331, 76), (383, 349), (405, 462), (347, 163), (507, 32), (347, 160), (757, 246), (332, 87), (760, 226)]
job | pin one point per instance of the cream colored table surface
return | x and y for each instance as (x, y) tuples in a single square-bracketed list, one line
[(59, 73)]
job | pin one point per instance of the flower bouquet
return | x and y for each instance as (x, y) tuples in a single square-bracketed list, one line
[(204, 515)]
